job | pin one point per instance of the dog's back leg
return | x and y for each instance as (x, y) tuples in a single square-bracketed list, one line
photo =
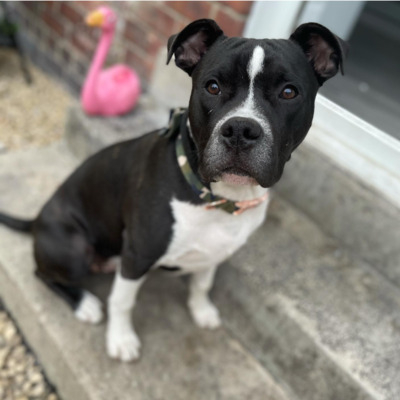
[(63, 257), (87, 307)]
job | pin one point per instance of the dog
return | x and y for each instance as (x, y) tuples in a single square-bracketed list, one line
[(188, 196)]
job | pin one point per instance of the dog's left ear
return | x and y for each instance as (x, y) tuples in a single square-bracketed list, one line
[(192, 43), (324, 50)]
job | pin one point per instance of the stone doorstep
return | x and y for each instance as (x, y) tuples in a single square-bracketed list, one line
[(87, 135), (355, 214), (295, 306), (324, 322)]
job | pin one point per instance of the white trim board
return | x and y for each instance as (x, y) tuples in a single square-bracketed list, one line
[(358, 147), (272, 19)]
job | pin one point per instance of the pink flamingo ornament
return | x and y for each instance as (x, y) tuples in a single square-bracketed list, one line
[(112, 91)]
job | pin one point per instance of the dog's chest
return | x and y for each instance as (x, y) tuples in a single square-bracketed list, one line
[(204, 238)]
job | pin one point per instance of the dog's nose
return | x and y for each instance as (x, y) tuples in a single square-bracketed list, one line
[(240, 132)]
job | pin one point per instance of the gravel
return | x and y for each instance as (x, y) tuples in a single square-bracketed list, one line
[(30, 115), (21, 377)]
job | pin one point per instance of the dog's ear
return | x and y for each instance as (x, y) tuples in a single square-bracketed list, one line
[(192, 43), (324, 50)]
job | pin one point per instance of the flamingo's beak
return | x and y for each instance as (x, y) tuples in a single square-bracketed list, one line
[(95, 18)]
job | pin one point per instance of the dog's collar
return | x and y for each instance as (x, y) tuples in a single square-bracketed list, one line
[(178, 119)]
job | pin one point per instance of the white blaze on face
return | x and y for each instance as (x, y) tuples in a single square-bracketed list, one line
[(254, 68), (248, 109)]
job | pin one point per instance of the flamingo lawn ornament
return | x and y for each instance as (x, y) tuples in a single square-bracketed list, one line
[(112, 91)]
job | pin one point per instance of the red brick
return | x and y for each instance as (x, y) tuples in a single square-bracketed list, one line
[(66, 56), (229, 24), (71, 13), (191, 9), (145, 39), (135, 33), (155, 44), (154, 16), (83, 43), (93, 34), (32, 5), (180, 26), (90, 5), (51, 43), (49, 5), (144, 67), (82, 68), (241, 7), (53, 23)]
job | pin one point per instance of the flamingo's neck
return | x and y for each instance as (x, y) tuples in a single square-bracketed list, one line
[(89, 90), (102, 50)]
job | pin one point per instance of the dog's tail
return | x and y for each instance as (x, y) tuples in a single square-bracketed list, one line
[(23, 225)]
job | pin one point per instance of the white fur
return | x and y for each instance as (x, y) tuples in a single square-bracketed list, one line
[(204, 313), (248, 109), (204, 238), (122, 341), (89, 309)]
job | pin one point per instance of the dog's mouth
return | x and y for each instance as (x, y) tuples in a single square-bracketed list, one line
[(237, 176)]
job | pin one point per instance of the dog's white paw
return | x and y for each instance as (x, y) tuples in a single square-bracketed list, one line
[(89, 309), (205, 314), (124, 345)]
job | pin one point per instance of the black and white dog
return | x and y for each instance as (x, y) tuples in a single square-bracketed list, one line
[(188, 196)]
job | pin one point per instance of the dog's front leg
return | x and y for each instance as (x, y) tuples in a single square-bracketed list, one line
[(203, 311), (122, 341)]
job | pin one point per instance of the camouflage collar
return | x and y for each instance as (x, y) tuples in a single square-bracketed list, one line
[(178, 121)]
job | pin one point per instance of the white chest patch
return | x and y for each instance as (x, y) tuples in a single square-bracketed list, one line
[(204, 238)]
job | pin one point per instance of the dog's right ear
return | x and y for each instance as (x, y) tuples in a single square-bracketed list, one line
[(324, 50), (192, 43)]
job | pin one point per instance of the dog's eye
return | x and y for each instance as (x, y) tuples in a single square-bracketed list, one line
[(289, 92), (213, 88)]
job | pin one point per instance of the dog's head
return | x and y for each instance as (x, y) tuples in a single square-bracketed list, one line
[(252, 101)]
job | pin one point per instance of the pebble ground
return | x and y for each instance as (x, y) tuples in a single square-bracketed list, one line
[(30, 115), (21, 377)]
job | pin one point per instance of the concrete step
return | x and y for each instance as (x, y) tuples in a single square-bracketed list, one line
[(358, 216), (297, 309), (324, 322), (86, 135), (179, 360)]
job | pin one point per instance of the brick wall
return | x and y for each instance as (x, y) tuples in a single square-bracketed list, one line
[(56, 37)]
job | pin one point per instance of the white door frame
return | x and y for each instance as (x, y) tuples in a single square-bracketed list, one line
[(357, 146)]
